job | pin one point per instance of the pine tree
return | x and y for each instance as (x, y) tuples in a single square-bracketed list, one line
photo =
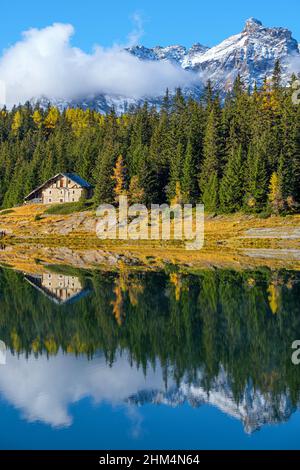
[(175, 171), (104, 188), (276, 78), (232, 185), (256, 179), (188, 175), (286, 177), (209, 176), (210, 197), (108, 154)]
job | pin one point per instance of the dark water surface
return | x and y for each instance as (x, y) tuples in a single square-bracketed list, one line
[(97, 360)]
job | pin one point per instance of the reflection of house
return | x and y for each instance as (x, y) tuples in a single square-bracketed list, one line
[(61, 188), (58, 287)]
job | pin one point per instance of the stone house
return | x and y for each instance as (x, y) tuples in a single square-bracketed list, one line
[(61, 188)]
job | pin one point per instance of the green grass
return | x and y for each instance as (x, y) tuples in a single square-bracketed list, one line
[(69, 208)]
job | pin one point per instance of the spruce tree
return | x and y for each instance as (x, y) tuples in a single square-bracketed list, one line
[(209, 176), (188, 175), (232, 185), (256, 179)]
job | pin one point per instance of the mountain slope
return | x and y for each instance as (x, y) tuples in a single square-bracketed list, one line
[(251, 53)]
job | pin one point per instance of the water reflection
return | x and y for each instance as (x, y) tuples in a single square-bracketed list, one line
[(216, 337), (59, 288), (2, 353)]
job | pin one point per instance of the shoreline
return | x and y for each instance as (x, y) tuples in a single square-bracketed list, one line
[(237, 241)]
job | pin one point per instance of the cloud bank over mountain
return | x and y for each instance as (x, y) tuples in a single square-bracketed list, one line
[(45, 66), (44, 63)]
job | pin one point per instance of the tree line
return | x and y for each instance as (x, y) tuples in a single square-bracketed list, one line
[(241, 153)]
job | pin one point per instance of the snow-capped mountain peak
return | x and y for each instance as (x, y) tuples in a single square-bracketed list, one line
[(176, 54), (252, 54), (252, 24)]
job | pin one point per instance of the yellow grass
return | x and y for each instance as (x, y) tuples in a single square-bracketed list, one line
[(31, 233)]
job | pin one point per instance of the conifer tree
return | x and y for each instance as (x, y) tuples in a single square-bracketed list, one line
[(209, 175), (175, 171), (232, 184), (188, 175), (256, 179)]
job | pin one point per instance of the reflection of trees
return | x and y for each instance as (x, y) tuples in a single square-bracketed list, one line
[(125, 284), (207, 321)]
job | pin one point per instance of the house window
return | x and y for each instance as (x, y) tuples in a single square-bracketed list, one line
[(61, 183), (61, 200), (50, 200), (73, 199), (50, 192)]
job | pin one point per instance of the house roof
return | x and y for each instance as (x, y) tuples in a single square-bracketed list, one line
[(72, 176)]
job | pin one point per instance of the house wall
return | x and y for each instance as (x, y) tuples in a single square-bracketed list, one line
[(62, 190), (60, 286)]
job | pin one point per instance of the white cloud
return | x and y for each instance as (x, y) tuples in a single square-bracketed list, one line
[(137, 32), (43, 389), (294, 64), (44, 63)]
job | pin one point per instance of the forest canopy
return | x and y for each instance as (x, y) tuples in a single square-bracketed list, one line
[(237, 154)]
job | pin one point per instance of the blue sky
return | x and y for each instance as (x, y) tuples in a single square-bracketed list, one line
[(164, 22)]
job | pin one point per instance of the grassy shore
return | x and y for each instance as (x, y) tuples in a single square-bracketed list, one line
[(235, 240)]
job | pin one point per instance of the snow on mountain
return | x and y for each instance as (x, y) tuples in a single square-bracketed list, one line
[(254, 409), (251, 53), (177, 54)]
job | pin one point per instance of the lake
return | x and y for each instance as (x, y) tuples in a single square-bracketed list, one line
[(149, 360)]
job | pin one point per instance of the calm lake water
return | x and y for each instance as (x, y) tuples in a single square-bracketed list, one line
[(98, 360)]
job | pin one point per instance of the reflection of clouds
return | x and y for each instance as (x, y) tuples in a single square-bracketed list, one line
[(44, 389), (136, 419)]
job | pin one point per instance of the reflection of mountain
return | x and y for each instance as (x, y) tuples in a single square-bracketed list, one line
[(59, 288), (44, 390), (253, 409)]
